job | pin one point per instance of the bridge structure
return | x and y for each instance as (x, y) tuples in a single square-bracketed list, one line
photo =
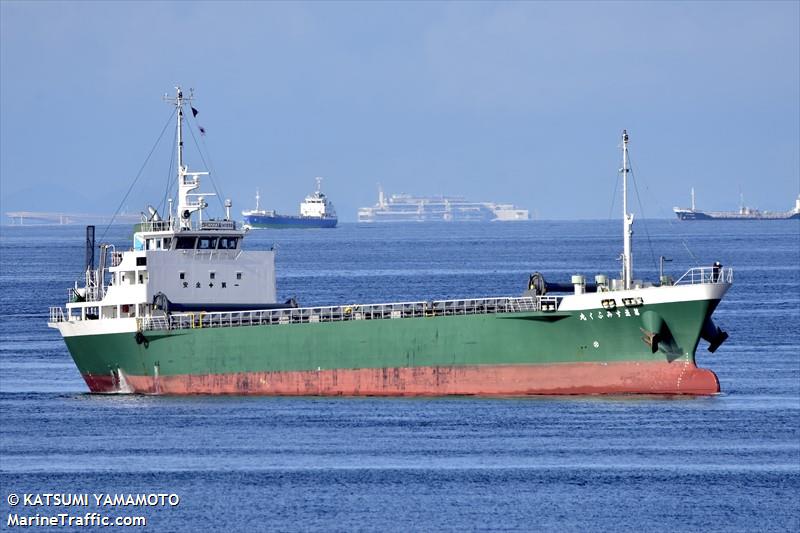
[(22, 218)]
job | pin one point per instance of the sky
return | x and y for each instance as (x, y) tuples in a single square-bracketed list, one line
[(519, 102)]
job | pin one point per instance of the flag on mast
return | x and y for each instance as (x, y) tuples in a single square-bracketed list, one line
[(194, 114)]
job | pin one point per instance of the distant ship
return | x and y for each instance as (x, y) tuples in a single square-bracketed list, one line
[(408, 208), (315, 212), (744, 213)]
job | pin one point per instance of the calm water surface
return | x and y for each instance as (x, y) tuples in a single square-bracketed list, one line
[(725, 463)]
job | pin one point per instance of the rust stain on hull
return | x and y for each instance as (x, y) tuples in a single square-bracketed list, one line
[(501, 380)]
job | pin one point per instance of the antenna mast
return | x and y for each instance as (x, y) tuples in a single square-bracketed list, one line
[(187, 181), (179, 105), (627, 254)]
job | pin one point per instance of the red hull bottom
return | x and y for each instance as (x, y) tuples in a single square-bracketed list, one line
[(501, 380)]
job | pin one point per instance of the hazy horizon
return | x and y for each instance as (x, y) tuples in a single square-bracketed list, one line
[(518, 103)]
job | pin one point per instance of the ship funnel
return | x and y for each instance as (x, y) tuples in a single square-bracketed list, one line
[(381, 197), (713, 335)]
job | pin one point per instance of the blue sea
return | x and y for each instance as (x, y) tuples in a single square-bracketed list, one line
[(727, 463)]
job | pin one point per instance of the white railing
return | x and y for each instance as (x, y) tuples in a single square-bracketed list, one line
[(698, 275), (93, 290), (398, 310), (57, 314), (154, 225), (153, 322)]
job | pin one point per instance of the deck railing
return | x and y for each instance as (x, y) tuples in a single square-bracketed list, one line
[(698, 275), (302, 315), (154, 225), (57, 314)]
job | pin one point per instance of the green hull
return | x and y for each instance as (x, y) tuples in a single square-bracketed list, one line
[(483, 341)]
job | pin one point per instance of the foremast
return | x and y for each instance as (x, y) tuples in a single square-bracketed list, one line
[(627, 254)]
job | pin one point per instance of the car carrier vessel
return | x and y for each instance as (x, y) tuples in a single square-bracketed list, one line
[(187, 310), (408, 208)]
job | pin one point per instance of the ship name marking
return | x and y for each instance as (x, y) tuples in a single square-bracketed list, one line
[(600, 315)]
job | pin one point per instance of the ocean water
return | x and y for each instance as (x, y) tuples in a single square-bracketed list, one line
[(725, 463)]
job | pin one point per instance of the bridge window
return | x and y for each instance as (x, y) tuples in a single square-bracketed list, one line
[(185, 243), (227, 243), (167, 243), (212, 275), (206, 243)]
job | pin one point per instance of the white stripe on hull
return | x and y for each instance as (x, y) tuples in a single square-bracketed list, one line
[(649, 295), (572, 302), (97, 327)]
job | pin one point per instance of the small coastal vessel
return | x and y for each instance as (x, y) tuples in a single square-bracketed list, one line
[(744, 213), (408, 208), (187, 311), (316, 211)]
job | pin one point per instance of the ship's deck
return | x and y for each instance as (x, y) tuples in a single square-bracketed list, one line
[(340, 313)]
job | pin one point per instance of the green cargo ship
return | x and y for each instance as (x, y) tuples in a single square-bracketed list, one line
[(188, 311)]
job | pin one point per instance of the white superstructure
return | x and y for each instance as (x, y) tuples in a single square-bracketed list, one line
[(182, 262), (508, 212), (317, 204), (409, 208)]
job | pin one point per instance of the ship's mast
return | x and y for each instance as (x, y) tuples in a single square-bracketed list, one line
[(187, 181), (627, 254), (179, 105)]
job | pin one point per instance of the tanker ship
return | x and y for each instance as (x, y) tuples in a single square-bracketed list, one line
[(744, 213), (188, 311)]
